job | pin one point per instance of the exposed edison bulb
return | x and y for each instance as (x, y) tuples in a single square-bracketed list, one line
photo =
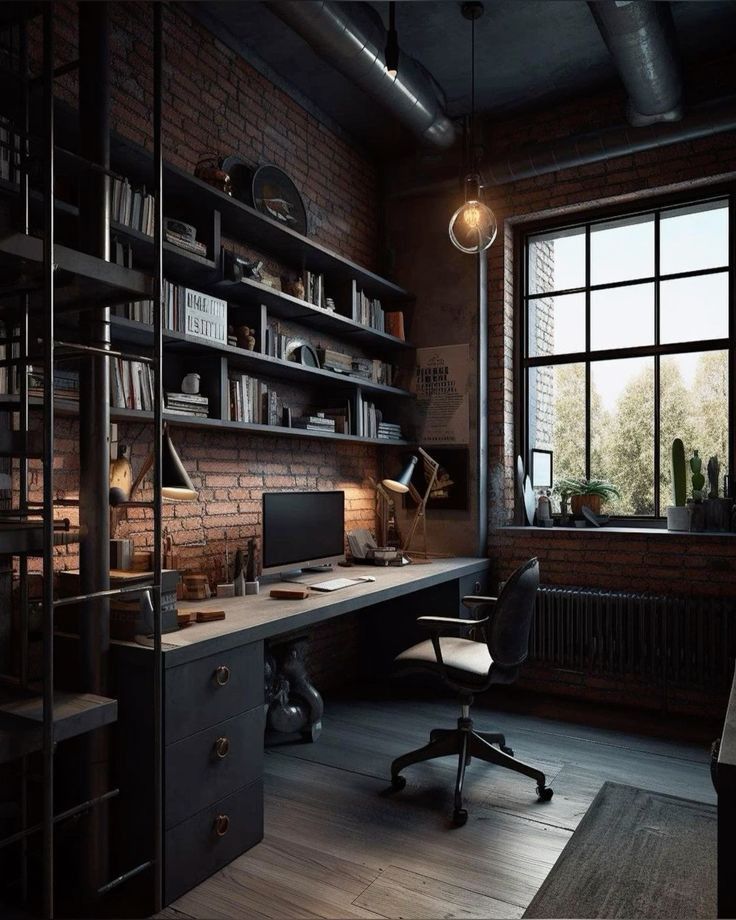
[(473, 226)]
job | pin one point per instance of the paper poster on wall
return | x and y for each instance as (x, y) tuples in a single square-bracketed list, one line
[(441, 386)]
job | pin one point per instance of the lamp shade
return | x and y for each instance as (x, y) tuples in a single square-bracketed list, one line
[(402, 483), (175, 482)]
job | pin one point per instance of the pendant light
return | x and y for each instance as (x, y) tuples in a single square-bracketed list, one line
[(473, 226), (391, 54)]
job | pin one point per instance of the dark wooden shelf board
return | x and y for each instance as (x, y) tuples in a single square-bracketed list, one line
[(251, 227), (81, 280), (125, 331), (179, 264), (21, 720), (286, 306)]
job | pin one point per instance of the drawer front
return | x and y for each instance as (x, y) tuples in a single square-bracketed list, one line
[(209, 690), (194, 849), (211, 764)]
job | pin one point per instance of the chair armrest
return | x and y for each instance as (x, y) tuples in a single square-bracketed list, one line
[(437, 625), (471, 601)]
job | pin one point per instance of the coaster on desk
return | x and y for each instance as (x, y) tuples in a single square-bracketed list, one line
[(290, 594)]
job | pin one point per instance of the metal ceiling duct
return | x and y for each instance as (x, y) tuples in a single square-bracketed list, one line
[(640, 35), (356, 50)]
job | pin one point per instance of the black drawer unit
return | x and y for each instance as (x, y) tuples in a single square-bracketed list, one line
[(211, 764), (209, 690), (211, 839)]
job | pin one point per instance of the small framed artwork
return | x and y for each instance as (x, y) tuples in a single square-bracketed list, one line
[(541, 468)]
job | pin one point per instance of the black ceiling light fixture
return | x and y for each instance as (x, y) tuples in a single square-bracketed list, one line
[(392, 44), (473, 226)]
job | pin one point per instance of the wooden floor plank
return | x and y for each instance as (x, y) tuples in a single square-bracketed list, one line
[(336, 846), (398, 893)]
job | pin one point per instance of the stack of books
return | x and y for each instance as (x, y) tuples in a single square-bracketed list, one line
[(342, 416), (132, 207), (336, 361), (66, 383), (389, 431), (188, 404), (131, 384), (382, 372), (316, 422), (276, 341), (368, 369), (184, 236)]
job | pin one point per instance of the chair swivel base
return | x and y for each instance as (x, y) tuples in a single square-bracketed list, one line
[(465, 743)]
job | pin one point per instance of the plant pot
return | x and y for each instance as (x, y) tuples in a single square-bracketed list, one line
[(592, 501), (678, 517)]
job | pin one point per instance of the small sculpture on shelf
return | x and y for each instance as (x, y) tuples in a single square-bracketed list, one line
[(678, 517), (245, 337), (208, 169), (293, 286)]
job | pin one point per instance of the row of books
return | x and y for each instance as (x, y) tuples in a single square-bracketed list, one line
[(131, 384), (368, 310), (187, 404), (314, 288), (132, 207), (375, 427), (253, 401)]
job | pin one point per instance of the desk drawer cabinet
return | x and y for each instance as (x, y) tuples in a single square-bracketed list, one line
[(213, 763), (209, 690), (211, 839)]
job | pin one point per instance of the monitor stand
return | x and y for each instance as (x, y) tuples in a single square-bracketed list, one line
[(325, 567)]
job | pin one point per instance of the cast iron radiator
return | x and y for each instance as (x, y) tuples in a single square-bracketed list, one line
[(689, 642)]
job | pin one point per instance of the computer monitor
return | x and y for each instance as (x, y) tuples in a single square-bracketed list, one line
[(302, 530)]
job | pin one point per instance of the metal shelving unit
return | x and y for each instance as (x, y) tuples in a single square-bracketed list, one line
[(41, 279)]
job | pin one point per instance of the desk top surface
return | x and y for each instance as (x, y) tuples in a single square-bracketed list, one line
[(255, 617)]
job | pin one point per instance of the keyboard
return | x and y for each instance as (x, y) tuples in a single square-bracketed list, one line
[(334, 584)]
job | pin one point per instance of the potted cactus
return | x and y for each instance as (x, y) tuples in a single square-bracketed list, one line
[(677, 513), (590, 492)]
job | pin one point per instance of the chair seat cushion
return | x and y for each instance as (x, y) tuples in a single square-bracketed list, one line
[(462, 655)]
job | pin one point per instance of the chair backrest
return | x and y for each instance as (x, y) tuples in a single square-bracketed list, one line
[(511, 622)]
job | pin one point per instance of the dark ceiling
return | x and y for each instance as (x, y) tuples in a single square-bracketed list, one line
[(529, 53)]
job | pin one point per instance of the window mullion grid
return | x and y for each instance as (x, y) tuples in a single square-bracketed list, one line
[(587, 352), (657, 420)]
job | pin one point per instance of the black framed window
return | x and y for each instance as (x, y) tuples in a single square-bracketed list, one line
[(628, 337)]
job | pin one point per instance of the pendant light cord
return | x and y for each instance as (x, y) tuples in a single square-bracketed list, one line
[(473, 152)]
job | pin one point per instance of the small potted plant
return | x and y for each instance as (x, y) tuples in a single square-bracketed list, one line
[(590, 492)]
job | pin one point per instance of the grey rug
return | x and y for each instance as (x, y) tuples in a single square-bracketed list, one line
[(635, 854)]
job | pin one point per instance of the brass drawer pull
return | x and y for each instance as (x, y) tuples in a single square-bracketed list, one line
[(222, 825), (222, 748), (222, 675)]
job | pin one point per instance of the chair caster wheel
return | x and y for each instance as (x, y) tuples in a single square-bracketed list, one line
[(544, 793), (398, 783), (459, 817), (507, 750)]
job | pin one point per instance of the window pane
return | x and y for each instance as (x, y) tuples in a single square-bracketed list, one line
[(694, 407), (694, 237), (621, 250), (557, 416), (622, 431), (694, 308), (556, 325), (556, 261), (622, 317)]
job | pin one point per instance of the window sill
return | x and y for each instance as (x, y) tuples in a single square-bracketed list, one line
[(597, 531)]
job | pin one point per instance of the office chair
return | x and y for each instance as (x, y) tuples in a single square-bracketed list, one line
[(469, 667)]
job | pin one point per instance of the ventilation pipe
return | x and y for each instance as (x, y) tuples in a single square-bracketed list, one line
[(640, 36), (356, 50)]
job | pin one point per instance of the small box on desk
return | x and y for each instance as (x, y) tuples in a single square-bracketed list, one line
[(125, 609)]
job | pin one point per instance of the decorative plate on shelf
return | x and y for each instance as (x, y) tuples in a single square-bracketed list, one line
[(276, 196), (301, 353)]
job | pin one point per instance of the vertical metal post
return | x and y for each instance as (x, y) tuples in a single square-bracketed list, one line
[(482, 405), (48, 471), (94, 437), (157, 446)]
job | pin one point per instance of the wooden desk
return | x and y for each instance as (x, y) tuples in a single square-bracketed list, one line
[(213, 710)]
